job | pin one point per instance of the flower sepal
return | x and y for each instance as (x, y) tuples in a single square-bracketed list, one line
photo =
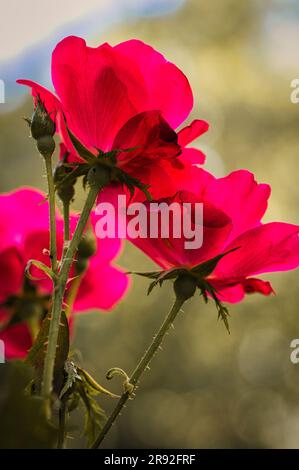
[(186, 280)]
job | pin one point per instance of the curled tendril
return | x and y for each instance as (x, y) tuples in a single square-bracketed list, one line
[(127, 386), (45, 269)]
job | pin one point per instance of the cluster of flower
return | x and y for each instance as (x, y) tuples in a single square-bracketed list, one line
[(120, 107)]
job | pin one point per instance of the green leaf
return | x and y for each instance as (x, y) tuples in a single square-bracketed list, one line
[(223, 312), (82, 150), (95, 416), (23, 423), (206, 268), (36, 356), (93, 387)]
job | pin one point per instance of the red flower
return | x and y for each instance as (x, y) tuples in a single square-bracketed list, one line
[(232, 210), (25, 236), (120, 97)]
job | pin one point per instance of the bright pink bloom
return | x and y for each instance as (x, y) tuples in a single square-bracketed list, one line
[(233, 207), (121, 97), (24, 236)]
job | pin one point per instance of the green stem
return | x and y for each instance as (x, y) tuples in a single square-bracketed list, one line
[(61, 430), (59, 293), (51, 190), (66, 221), (141, 367)]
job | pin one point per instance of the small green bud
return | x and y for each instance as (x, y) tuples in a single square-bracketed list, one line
[(87, 246), (65, 191), (185, 286), (60, 172), (46, 145), (41, 122), (99, 176), (81, 265)]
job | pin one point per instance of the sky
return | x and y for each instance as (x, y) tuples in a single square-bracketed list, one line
[(29, 31)]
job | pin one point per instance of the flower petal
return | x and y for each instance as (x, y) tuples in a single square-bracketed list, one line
[(97, 88), (167, 87), (234, 293), (101, 288), (267, 248), (151, 135), (241, 198), (17, 341), (191, 132), (15, 221), (12, 267), (192, 156)]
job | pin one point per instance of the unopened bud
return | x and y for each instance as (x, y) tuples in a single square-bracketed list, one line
[(81, 265), (46, 145), (41, 122), (65, 191), (185, 286), (87, 246)]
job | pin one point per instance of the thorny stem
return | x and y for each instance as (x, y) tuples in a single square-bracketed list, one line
[(51, 192), (66, 222), (141, 367), (59, 294)]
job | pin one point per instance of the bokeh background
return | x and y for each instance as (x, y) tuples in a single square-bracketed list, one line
[(206, 389)]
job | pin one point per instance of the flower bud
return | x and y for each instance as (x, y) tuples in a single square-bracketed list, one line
[(87, 246), (65, 191), (185, 286), (99, 176), (41, 122), (46, 145), (81, 265)]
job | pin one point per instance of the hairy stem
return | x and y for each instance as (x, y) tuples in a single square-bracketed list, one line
[(66, 224), (51, 193), (141, 367), (59, 293)]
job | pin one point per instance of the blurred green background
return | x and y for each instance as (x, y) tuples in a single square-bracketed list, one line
[(206, 389)]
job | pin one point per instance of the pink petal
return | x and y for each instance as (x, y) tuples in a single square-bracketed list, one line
[(97, 88), (17, 341), (267, 248), (101, 288), (234, 293), (167, 87), (151, 135), (107, 248), (172, 252), (241, 198), (252, 285), (12, 267), (191, 132), (48, 98), (14, 220), (231, 293), (192, 156)]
